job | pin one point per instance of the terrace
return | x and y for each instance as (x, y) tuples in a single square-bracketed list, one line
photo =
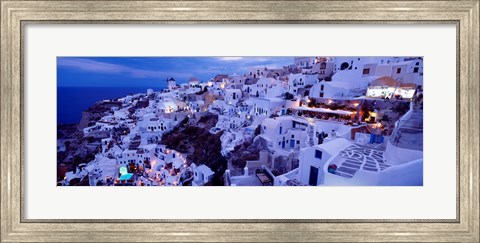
[(325, 112), (245, 181), (354, 158)]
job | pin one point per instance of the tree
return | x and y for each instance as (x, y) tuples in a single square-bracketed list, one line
[(288, 96), (258, 130), (334, 106), (401, 107), (366, 108), (386, 119)]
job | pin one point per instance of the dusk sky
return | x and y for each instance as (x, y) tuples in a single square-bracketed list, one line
[(152, 72)]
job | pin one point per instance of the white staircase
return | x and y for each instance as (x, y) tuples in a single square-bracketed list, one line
[(311, 135)]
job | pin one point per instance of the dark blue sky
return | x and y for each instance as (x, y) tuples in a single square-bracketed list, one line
[(151, 72)]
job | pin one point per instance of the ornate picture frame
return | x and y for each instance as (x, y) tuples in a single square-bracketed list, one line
[(16, 14)]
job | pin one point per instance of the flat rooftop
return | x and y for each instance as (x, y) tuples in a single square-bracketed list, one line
[(246, 181), (354, 158)]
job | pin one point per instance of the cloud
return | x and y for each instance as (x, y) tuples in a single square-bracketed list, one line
[(230, 58), (136, 71), (269, 65), (93, 66), (90, 65)]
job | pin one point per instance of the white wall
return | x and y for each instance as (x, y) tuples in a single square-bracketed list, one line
[(395, 155), (307, 159)]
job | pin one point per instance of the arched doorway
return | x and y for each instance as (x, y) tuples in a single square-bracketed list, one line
[(344, 66)]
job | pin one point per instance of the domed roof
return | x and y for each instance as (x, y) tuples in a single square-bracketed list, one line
[(171, 79), (384, 81), (193, 79)]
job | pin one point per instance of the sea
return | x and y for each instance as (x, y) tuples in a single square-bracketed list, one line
[(72, 101)]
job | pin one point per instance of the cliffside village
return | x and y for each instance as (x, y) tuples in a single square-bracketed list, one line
[(321, 121)]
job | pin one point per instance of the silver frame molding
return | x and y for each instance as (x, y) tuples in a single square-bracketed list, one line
[(16, 14)]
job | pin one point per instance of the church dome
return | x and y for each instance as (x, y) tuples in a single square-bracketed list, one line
[(193, 79)]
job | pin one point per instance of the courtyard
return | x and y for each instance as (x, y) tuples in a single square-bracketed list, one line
[(354, 158)]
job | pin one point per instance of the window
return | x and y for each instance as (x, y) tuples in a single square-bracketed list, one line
[(399, 70), (321, 95), (366, 71), (415, 69), (318, 154), (293, 136), (321, 87)]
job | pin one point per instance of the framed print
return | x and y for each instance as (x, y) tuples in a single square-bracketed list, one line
[(239, 121)]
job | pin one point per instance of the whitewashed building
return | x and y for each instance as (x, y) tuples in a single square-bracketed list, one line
[(285, 132), (313, 160), (266, 106), (232, 96), (298, 81), (202, 175)]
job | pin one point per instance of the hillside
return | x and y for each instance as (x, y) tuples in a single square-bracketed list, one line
[(201, 147)]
